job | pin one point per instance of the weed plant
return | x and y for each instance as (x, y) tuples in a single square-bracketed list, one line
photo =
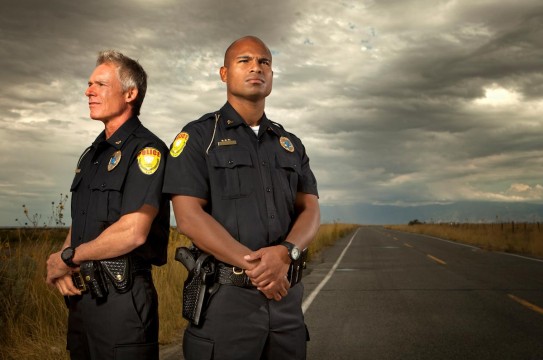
[(33, 316), (518, 238)]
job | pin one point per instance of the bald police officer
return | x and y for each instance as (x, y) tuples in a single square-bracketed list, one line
[(120, 217), (243, 191)]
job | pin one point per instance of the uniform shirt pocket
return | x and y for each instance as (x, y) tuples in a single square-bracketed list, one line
[(107, 197), (233, 172), (290, 172)]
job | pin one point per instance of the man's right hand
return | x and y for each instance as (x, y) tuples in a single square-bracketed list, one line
[(65, 285)]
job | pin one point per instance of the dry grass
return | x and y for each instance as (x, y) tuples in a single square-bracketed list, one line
[(518, 238), (33, 316)]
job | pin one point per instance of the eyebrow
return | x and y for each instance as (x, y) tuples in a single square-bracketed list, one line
[(247, 57)]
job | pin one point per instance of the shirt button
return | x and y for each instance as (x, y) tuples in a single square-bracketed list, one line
[(230, 162), (103, 185), (96, 163), (268, 189), (272, 216), (264, 163)]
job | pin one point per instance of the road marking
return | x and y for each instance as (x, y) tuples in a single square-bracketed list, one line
[(406, 244), (307, 302), (473, 247), (520, 256), (436, 259), (527, 304)]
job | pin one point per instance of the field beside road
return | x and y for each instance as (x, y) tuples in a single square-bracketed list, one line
[(33, 316), (517, 238)]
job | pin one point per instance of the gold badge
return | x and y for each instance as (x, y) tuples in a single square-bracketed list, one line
[(148, 160), (179, 144), (114, 161), (286, 144), (226, 142)]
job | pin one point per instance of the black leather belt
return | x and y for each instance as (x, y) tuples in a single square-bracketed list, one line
[(231, 275)]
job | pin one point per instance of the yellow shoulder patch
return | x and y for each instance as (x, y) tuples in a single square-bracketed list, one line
[(179, 144), (149, 160)]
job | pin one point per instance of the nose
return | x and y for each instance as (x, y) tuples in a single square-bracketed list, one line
[(257, 66), (89, 92)]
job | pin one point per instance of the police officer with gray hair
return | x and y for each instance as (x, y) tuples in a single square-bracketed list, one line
[(120, 224), (243, 191)]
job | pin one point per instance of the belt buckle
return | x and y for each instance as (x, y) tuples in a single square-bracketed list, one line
[(238, 277)]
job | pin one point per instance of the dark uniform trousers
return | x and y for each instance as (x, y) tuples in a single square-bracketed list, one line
[(123, 327), (242, 324)]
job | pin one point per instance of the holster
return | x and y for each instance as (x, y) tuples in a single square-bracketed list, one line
[(296, 269), (94, 278), (200, 284)]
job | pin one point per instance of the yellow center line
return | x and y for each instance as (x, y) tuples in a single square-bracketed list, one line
[(529, 305), (406, 244), (439, 261)]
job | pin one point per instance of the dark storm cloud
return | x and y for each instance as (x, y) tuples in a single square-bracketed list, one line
[(397, 102)]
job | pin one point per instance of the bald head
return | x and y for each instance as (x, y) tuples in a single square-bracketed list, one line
[(244, 40)]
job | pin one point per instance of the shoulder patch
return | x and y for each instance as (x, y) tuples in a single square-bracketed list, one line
[(149, 160), (179, 144), (286, 144)]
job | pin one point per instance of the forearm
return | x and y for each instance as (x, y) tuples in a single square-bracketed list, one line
[(307, 223), (68, 239), (123, 236), (208, 234)]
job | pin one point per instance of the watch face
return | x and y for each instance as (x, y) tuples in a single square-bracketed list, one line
[(67, 254), (295, 253)]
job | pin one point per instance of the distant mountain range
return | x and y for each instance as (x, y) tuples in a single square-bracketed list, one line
[(453, 212)]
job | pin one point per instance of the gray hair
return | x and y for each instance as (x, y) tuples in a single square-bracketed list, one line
[(130, 73)]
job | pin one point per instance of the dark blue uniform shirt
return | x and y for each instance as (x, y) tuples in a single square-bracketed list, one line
[(250, 181), (118, 176)]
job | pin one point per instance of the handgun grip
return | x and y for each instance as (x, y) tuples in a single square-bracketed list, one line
[(185, 257)]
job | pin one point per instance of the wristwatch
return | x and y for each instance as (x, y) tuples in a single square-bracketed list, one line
[(67, 255), (293, 251)]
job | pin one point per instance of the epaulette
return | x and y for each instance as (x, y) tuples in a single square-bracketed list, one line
[(206, 117), (277, 124)]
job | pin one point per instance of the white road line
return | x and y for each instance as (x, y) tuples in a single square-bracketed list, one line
[(307, 302), (472, 246)]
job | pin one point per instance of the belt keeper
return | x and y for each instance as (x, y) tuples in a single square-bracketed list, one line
[(237, 270)]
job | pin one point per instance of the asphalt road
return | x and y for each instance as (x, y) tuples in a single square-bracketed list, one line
[(379, 294), (403, 296)]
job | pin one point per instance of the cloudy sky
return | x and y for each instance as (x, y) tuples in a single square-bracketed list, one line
[(398, 102)]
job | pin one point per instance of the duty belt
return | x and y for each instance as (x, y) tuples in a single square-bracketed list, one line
[(231, 275), (98, 275)]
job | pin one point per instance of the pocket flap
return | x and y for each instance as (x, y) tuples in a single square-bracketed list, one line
[(289, 162), (230, 158)]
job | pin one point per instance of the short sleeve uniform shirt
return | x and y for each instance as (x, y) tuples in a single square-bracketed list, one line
[(118, 176), (249, 180)]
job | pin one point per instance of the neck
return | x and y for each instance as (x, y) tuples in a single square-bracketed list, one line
[(113, 125), (250, 111)]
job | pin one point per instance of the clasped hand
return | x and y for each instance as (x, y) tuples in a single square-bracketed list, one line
[(269, 274)]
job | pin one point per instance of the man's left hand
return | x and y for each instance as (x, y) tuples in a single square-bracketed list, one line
[(269, 274), (56, 268)]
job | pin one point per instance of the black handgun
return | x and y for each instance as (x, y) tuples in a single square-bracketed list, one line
[(185, 257)]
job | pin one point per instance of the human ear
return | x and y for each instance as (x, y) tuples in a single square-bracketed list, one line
[(223, 72)]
